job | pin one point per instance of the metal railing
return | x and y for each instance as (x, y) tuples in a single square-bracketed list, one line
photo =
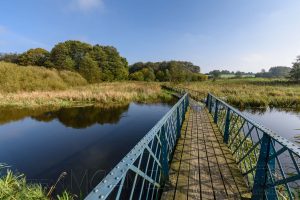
[(142, 173), (269, 163)]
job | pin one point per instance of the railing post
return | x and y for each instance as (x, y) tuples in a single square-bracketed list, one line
[(178, 123), (216, 112), (207, 100), (164, 155), (210, 104), (187, 102), (183, 110), (261, 177), (227, 125)]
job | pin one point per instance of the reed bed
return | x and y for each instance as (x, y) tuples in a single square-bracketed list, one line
[(102, 94), (250, 92)]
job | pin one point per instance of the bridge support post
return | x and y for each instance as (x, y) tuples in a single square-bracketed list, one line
[(164, 155), (216, 112), (260, 190), (227, 126)]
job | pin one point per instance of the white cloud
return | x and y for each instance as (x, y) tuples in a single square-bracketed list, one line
[(86, 5)]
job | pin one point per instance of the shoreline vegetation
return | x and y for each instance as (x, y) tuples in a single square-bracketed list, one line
[(103, 95), (15, 186), (246, 93)]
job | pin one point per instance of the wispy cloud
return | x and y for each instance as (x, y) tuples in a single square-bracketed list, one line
[(11, 40), (85, 5)]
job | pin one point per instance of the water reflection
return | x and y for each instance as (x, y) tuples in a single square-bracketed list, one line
[(83, 117), (284, 121), (86, 142), (75, 117)]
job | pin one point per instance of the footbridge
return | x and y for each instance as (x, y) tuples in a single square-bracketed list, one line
[(205, 150)]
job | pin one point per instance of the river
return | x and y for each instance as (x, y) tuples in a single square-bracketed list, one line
[(85, 142)]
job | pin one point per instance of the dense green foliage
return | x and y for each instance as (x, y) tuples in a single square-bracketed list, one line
[(95, 63), (174, 71), (295, 72), (15, 78), (275, 72)]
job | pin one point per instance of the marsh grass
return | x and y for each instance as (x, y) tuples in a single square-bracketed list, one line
[(103, 94), (249, 92), (15, 187), (15, 78)]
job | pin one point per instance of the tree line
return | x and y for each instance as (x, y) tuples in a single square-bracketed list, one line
[(174, 71), (98, 63), (292, 73), (95, 63)]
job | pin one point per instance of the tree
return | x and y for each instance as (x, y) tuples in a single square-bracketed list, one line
[(279, 71), (9, 57), (160, 76), (136, 76), (36, 56), (64, 52), (116, 66), (89, 69), (295, 72), (148, 74), (215, 73)]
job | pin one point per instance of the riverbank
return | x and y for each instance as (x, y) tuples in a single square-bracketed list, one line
[(104, 94), (249, 92)]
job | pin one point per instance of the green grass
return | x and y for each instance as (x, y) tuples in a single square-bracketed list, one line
[(250, 92), (15, 187), (15, 78)]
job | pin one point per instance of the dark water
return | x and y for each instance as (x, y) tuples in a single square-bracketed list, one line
[(85, 142), (284, 122)]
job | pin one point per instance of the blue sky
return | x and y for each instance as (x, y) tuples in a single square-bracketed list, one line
[(245, 35)]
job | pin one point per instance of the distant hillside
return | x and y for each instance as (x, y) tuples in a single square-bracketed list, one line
[(15, 78)]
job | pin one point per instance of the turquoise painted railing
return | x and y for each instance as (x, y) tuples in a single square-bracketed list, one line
[(269, 163), (142, 173)]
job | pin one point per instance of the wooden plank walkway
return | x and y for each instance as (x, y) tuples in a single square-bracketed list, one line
[(202, 165)]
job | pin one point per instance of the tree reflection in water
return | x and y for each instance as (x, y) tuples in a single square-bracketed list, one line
[(75, 117)]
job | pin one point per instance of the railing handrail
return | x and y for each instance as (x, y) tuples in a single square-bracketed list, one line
[(283, 141), (268, 162), (106, 186)]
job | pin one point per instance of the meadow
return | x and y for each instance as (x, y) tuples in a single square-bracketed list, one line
[(249, 92)]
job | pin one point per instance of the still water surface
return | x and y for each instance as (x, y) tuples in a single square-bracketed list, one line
[(284, 122), (85, 142)]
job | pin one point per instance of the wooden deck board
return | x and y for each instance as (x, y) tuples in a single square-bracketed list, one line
[(202, 166)]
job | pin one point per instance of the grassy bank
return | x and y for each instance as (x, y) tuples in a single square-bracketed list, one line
[(250, 92), (32, 86), (15, 78), (14, 186), (102, 94)]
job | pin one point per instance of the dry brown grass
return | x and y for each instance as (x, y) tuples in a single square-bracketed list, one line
[(250, 92), (105, 93)]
